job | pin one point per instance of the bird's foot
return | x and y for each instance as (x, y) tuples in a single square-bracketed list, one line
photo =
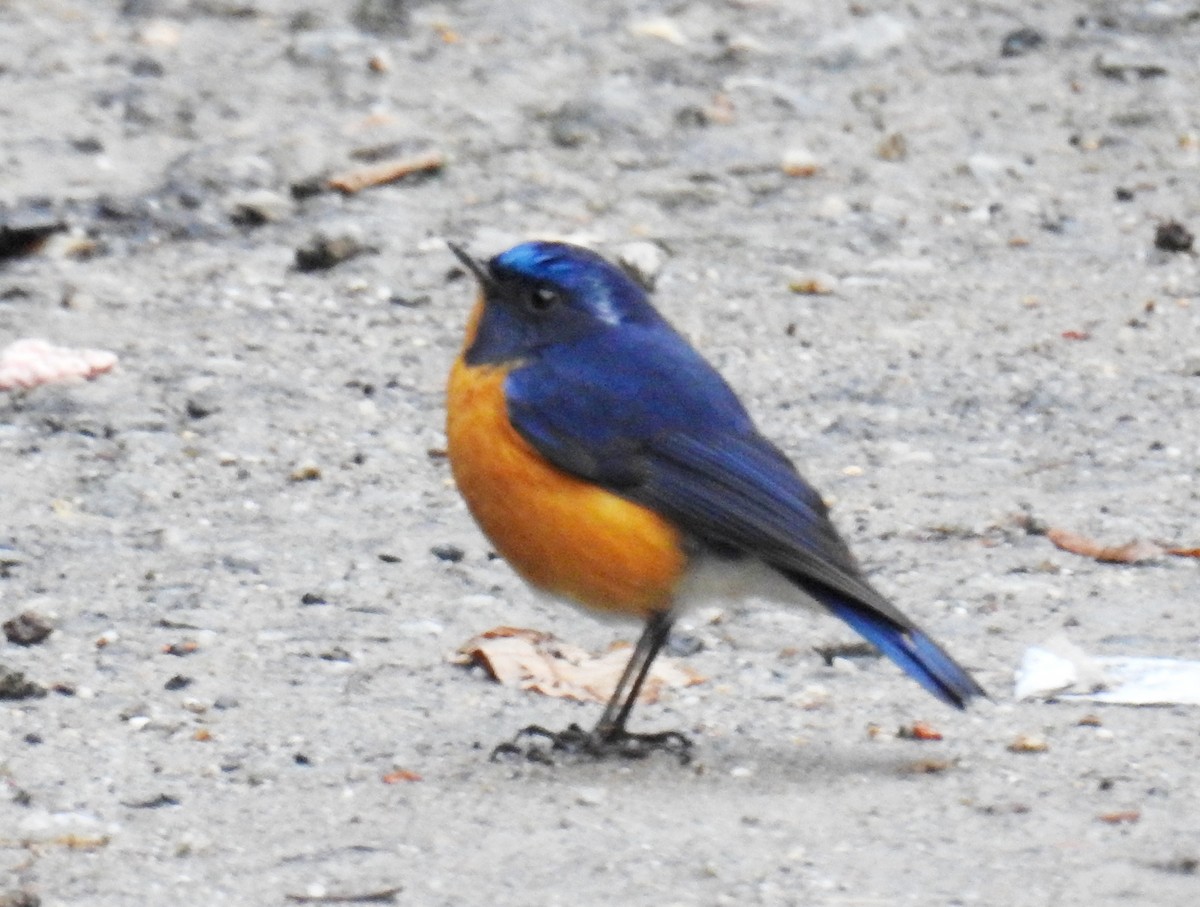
[(600, 743)]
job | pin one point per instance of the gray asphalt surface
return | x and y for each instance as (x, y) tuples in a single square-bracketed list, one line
[(233, 534)]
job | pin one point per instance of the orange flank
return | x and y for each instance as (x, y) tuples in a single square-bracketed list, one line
[(563, 535)]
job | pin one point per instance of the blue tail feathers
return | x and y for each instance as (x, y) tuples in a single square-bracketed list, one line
[(918, 655)]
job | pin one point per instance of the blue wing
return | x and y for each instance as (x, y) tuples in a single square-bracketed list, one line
[(639, 412)]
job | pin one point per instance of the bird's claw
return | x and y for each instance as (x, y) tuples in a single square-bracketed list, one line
[(596, 744)]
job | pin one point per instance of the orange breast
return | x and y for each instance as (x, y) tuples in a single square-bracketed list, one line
[(561, 534)]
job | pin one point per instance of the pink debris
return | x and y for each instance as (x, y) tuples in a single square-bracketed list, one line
[(30, 362)]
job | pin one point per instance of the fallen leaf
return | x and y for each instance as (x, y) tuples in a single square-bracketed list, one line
[(537, 661), (31, 362), (1136, 552)]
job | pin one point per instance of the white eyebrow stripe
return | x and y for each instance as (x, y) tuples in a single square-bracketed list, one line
[(601, 303)]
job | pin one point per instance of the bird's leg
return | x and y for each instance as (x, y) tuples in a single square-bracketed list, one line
[(620, 704), (610, 734), (609, 737)]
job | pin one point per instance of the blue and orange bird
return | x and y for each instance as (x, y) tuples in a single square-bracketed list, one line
[(613, 467)]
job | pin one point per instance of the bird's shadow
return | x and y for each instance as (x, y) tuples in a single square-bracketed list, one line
[(731, 759)]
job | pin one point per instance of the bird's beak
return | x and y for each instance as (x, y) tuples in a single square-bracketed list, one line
[(476, 267)]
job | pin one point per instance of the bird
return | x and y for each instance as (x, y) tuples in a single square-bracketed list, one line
[(613, 467)]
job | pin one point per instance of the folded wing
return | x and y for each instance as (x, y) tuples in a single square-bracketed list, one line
[(651, 421)]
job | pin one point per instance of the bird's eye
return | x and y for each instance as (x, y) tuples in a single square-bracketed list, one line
[(543, 298)]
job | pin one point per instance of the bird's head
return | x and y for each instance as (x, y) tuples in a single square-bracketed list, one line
[(542, 294)]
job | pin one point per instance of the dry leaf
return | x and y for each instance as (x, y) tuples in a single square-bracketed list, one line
[(1136, 552), (537, 661)]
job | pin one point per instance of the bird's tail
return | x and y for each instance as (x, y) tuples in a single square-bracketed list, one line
[(909, 647)]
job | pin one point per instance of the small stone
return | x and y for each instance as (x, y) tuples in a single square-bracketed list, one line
[(257, 207), (1020, 42), (591, 796), (447, 552), (158, 33), (13, 685), (308, 472), (800, 162), (642, 261), (9, 558), (1026, 743), (24, 231), (1122, 67), (662, 28), (832, 207), (380, 62), (1172, 236), (892, 147), (27, 629), (201, 406), (327, 249)]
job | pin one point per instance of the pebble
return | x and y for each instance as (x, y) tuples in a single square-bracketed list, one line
[(642, 261), (325, 249), (1020, 42), (256, 207), (800, 162), (662, 28), (27, 629), (591, 796)]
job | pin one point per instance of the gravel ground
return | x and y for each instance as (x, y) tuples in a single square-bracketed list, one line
[(255, 563)]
